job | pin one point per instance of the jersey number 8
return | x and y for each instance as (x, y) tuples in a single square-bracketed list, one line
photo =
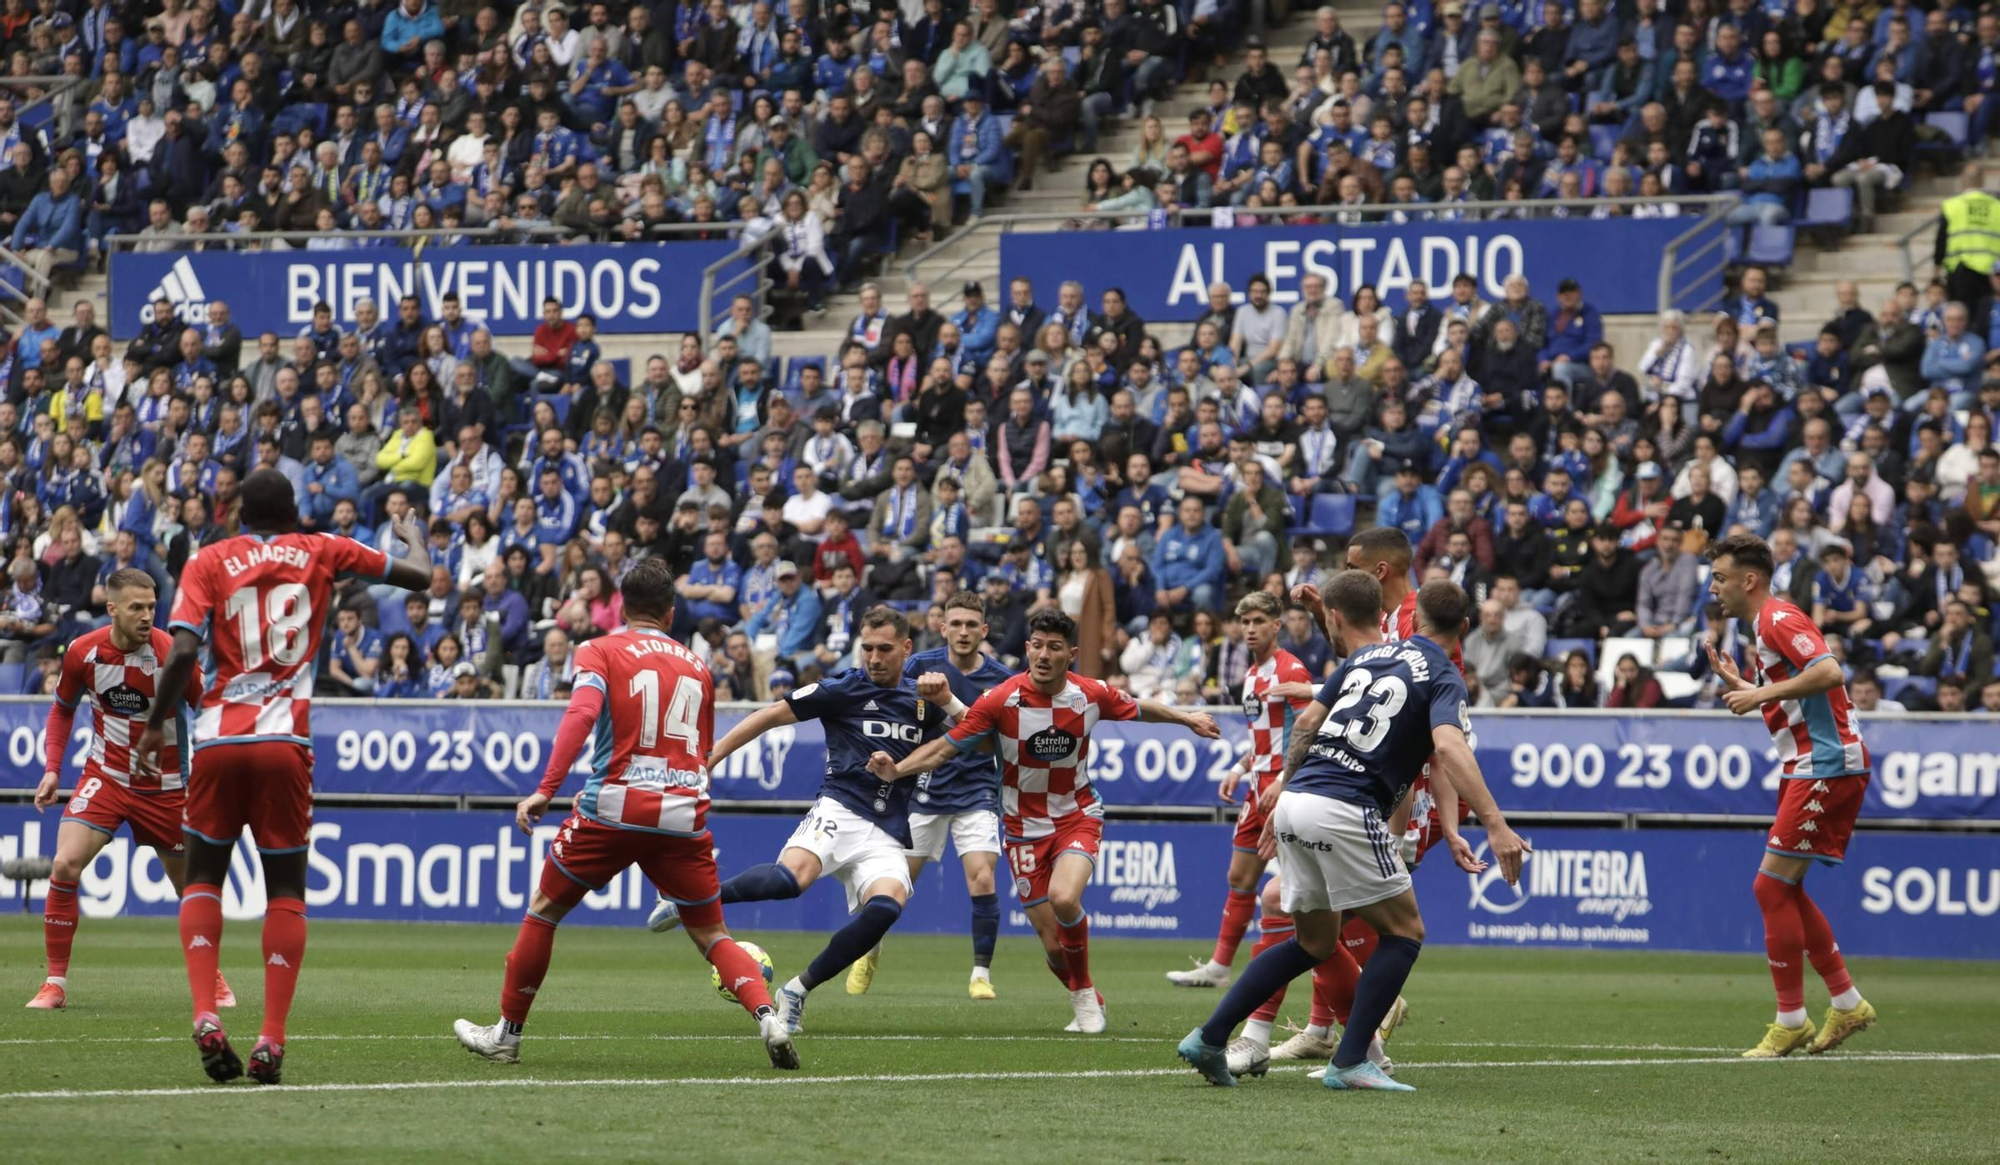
[(1389, 695)]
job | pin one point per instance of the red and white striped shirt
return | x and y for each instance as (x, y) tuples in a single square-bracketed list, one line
[(655, 726), (1271, 720), (1816, 736), (266, 598), (1043, 744), (120, 685)]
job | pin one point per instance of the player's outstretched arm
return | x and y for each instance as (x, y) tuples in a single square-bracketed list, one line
[(412, 572), (1816, 680), (585, 704), (1199, 723), (927, 756), (1461, 769), (750, 728), (172, 685)]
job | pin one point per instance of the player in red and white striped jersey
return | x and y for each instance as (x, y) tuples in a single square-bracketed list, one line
[(261, 601), (1039, 725), (114, 666), (647, 705), (1802, 693), (1276, 688)]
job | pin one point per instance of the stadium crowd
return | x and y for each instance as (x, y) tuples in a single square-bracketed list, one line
[(1037, 448)]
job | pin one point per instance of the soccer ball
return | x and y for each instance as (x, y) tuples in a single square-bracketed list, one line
[(763, 962)]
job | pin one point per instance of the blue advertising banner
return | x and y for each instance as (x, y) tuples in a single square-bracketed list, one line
[(1166, 274), (628, 287), (1937, 894), (1927, 768)]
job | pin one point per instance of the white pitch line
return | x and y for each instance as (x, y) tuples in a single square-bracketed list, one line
[(914, 1077), (887, 1038)]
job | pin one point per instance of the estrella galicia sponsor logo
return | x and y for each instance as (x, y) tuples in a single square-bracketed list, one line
[(1051, 744), (125, 700)]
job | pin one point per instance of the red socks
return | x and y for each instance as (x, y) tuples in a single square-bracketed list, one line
[(1272, 931), (740, 973), (284, 952), (528, 963), (1360, 940), (1058, 966), (1076, 948), (59, 926), (1820, 945), (1784, 939), (1237, 911), (1333, 989), (201, 942)]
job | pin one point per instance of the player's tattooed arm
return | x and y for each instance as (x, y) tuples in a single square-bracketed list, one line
[(1305, 730), (750, 728), (1199, 723)]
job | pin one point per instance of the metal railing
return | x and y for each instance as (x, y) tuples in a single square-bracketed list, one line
[(1708, 236), (743, 272), (1912, 264), (979, 243)]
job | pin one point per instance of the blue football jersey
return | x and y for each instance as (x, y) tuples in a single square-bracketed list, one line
[(861, 718), (967, 781), (1382, 705)]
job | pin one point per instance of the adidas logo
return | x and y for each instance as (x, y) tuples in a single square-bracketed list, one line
[(200, 940), (276, 960), (181, 287), (870, 707)]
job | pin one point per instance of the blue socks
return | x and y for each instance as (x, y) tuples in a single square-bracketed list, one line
[(854, 940), (985, 928), (1266, 975), (760, 884), (1381, 981)]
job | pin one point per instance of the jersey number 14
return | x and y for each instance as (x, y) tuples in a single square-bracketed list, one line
[(1364, 730), (680, 722)]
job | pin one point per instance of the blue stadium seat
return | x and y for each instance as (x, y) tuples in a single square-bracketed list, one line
[(796, 366), (1559, 649), (1894, 688), (1827, 206), (1800, 349), (558, 401), (1957, 128), (1326, 515), (1771, 246), (14, 679), (1602, 139)]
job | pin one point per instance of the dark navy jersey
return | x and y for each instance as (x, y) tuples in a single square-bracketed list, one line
[(1382, 705), (860, 719), (965, 782)]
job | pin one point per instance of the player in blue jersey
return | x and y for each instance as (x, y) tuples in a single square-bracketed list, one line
[(859, 826), (960, 797), (1352, 756)]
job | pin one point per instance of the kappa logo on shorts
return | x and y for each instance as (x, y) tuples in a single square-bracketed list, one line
[(1051, 744)]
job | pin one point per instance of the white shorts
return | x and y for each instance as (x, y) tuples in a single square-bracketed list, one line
[(1338, 856), (851, 848), (973, 832)]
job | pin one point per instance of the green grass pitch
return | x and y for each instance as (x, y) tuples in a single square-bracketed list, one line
[(1518, 1055)]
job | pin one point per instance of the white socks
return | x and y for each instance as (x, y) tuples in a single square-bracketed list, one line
[(1258, 1031), (1319, 1031), (1847, 1000), (1792, 1018), (982, 974), (62, 981)]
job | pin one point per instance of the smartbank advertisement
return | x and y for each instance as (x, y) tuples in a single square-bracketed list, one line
[(1583, 888), (631, 287)]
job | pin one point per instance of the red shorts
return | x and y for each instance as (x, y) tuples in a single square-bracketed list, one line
[(265, 784), (1816, 818), (586, 855), (1032, 860), (104, 805), (1250, 820)]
